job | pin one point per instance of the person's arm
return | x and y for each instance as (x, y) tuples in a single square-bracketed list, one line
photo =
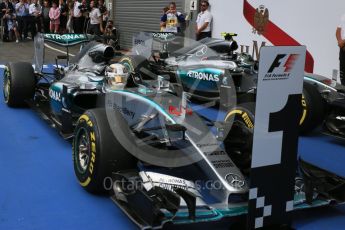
[(17, 7), (26, 7), (39, 12), (204, 26), (164, 18), (180, 17), (57, 16), (31, 9), (100, 18), (51, 16), (341, 42), (11, 6), (2, 8)]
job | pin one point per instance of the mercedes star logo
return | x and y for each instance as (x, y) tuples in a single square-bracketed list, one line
[(234, 180)]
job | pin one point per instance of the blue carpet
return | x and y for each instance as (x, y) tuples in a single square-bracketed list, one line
[(39, 191), (38, 188)]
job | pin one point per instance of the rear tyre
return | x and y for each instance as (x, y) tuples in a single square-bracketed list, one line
[(239, 141), (97, 153), (313, 109), (19, 83)]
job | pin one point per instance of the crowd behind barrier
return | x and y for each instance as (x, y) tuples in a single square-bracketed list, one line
[(22, 19)]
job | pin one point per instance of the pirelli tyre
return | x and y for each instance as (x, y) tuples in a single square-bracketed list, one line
[(19, 83), (313, 109), (97, 153), (239, 141)]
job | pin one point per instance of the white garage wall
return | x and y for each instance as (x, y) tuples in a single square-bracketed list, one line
[(311, 23)]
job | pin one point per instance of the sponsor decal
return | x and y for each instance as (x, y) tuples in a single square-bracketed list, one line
[(216, 153), (171, 183), (139, 42), (260, 20), (203, 76), (163, 35), (222, 164), (279, 69), (65, 36), (55, 95), (235, 180), (65, 39), (276, 35), (93, 150), (247, 120), (207, 145), (179, 111)]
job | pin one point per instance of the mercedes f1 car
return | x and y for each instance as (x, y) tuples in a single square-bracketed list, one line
[(136, 135), (323, 101), (63, 95)]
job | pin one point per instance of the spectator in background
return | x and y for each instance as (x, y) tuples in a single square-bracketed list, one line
[(95, 19), (77, 20), (11, 28), (203, 22), (111, 35), (104, 11), (35, 11), (172, 19), (69, 24), (84, 9), (63, 16), (45, 16), (340, 35), (6, 7), (54, 15), (22, 15), (162, 24)]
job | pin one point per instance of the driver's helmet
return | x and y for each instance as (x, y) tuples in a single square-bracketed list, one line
[(117, 75)]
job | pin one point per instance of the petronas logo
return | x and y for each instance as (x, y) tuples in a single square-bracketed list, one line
[(66, 39)]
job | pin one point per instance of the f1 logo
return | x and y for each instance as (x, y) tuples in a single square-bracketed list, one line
[(289, 63)]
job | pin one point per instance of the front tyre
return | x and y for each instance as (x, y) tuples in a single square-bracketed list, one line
[(97, 153), (19, 83)]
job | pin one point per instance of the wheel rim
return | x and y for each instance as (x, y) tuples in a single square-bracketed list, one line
[(82, 150), (240, 140), (7, 85)]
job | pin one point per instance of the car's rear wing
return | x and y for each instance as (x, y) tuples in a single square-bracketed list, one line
[(143, 42), (64, 40)]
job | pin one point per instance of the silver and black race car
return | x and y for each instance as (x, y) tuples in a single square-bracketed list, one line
[(61, 95), (165, 163), (136, 134), (323, 99)]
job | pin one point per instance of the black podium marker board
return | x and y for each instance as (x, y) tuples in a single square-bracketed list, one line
[(277, 115)]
